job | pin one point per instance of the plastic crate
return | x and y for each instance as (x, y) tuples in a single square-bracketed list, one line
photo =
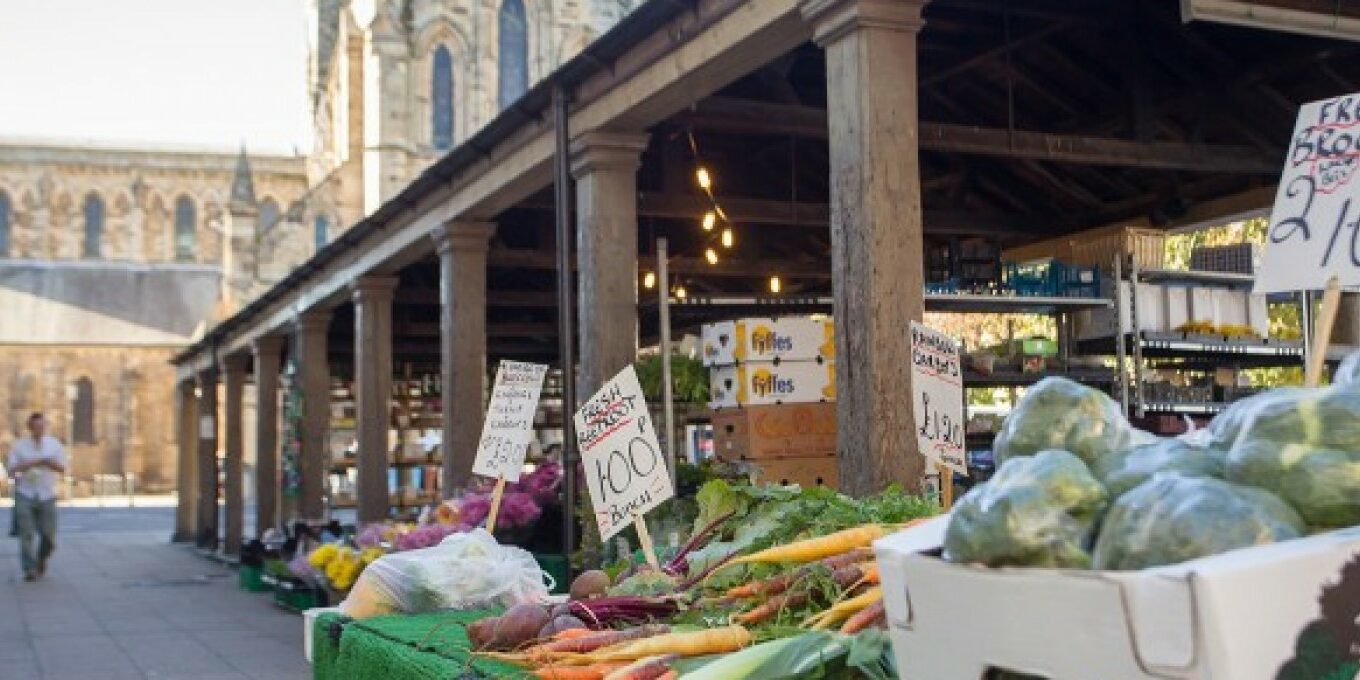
[(291, 593), (1237, 258), (1030, 278), (556, 567), (1071, 280), (250, 578)]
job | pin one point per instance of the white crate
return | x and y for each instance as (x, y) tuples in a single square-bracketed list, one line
[(1233, 616), (763, 383), (789, 338)]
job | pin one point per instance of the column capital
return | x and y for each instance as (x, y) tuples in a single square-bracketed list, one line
[(463, 236), (235, 365), (832, 20), (374, 288), (313, 321), (594, 151), (267, 344)]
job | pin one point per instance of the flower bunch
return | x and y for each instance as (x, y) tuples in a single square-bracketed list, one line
[(425, 536), (542, 484), (344, 568)]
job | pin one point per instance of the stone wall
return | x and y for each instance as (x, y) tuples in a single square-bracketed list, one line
[(133, 421)]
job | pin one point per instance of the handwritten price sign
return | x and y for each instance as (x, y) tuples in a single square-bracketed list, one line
[(1315, 224), (937, 397), (509, 420), (625, 469)]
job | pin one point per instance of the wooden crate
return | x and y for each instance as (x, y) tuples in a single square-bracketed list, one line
[(779, 431), (1137, 241), (818, 471)]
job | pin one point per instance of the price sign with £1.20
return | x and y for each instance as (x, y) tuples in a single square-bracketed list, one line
[(625, 469), (509, 420)]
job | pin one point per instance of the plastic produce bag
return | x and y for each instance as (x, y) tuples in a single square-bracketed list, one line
[(1164, 455), (1036, 511), (1348, 373), (1304, 446), (465, 571), (1057, 413), (1172, 518)]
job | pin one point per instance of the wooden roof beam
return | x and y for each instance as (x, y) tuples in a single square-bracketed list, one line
[(751, 117), (691, 266)]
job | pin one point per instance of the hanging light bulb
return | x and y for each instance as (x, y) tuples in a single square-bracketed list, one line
[(710, 219), (705, 180), (775, 284), (649, 280), (681, 293), (711, 255), (727, 238)]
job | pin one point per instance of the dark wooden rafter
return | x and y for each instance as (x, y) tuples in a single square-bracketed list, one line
[(751, 117), (684, 266)]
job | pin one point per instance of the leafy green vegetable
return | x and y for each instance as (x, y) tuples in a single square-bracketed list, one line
[(717, 498), (646, 582), (1164, 455), (1172, 518), (1036, 511)]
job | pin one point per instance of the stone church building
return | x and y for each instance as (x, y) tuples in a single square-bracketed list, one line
[(114, 258)]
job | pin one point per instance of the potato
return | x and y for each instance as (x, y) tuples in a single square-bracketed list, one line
[(593, 583), (519, 625), (559, 624), (481, 632)]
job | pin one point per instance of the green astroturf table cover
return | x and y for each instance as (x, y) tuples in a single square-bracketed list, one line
[(400, 647)]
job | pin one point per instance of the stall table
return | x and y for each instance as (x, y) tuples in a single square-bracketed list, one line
[(401, 647)]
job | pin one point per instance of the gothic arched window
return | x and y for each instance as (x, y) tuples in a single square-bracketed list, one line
[(321, 227), (269, 214), (186, 230), (94, 226), (441, 99), (82, 412), (4, 224), (514, 52)]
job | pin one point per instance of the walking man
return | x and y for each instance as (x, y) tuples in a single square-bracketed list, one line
[(37, 463)]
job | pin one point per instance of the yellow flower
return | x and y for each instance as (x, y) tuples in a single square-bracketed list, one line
[(370, 555), (322, 556)]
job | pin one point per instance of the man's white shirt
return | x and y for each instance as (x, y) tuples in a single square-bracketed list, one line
[(38, 482)]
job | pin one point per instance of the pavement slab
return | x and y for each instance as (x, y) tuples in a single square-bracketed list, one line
[(120, 601)]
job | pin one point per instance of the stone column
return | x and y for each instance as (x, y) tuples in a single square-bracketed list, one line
[(186, 440), (314, 379), (876, 231), (373, 391), (267, 484), (234, 378), (462, 247), (605, 166), (206, 429)]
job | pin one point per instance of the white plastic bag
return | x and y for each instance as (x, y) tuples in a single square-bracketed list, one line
[(465, 571)]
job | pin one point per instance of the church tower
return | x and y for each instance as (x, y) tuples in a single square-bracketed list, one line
[(238, 258)]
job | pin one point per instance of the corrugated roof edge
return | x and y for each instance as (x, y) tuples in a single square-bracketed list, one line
[(628, 32)]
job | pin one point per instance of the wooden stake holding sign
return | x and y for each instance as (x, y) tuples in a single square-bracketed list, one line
[(1322, 332), (937, 404), (625, 468), (508, 426)]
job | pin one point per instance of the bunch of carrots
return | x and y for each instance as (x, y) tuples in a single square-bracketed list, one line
[(647, 652)]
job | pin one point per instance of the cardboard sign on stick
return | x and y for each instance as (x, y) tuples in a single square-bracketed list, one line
[(509, 420), (937, 400), (624, 464), (1315, 223)]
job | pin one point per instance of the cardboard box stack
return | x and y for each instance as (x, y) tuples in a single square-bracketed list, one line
[(773, 391)]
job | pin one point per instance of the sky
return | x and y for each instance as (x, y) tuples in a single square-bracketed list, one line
[(198, 73)]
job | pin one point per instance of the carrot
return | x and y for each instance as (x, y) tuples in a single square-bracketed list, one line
[(778, 584), (593, 672), (771, 608), (818, 548), (649, 668), (573, 633), (551, 651), (697, 643), (842, 610), (864, 618), (670, 675)]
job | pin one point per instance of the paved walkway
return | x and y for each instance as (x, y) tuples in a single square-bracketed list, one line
[(119, 602)]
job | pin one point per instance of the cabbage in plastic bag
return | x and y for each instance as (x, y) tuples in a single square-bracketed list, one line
[(1348, 373), (1228, 424), (1304, 447), (1035, 511), (465, 571), (1057, 413), (1164, 455), (1172, 518)]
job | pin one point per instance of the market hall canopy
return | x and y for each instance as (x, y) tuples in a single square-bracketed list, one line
[(1037, 118)]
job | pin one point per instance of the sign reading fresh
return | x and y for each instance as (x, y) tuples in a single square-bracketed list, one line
[(626, 473)]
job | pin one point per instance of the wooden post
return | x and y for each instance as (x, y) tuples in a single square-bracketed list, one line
[(645, 538), (314, 377), (1322, 332), (946, 486), (234, 377), (495, 505), (267, 358), (206, 431), (373, 392), (186, 422)]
